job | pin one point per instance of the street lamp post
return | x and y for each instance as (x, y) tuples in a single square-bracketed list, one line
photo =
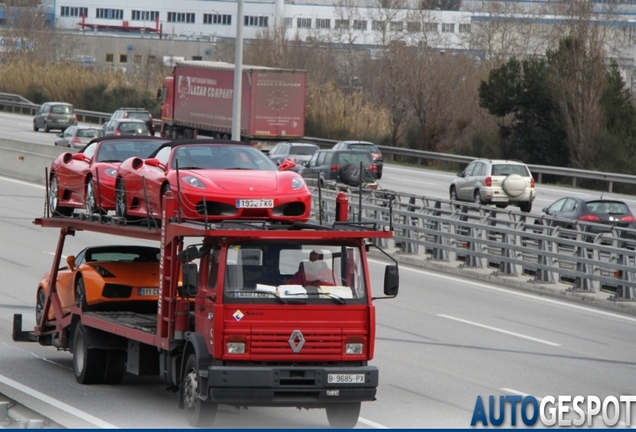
[(238, 74)]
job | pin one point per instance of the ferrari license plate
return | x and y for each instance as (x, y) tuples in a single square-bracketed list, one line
[(254, 203), (345, 378), (148, 291)]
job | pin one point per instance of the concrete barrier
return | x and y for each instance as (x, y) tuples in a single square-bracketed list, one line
[(27, 161)]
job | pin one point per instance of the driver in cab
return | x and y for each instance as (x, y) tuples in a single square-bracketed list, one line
[(313, 272)]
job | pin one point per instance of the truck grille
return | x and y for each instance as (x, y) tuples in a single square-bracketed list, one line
[(317, 342)]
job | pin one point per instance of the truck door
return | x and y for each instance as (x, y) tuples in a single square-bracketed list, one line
[(206, 301)]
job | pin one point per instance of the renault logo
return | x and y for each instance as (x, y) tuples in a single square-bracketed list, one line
[(296, 341)]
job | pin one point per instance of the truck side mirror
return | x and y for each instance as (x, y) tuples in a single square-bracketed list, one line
[(189, 280), (391, 280)]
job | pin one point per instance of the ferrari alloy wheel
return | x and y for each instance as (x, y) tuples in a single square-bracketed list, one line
[(120, 200), (54, 204), (39, 305)]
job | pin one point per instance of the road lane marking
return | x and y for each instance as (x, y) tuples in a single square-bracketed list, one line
[(372, 424), (511, 292), (57, 404)]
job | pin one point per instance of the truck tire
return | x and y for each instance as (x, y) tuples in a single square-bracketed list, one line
[(198, 412), (88, 363), (115, 366), (343, 415), (54, 207)]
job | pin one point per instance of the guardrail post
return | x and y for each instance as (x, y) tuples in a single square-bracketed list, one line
[(625, 292), (472, 258), (583, 284), (508, 268), (407, 246), (439, 253), (543, 275)]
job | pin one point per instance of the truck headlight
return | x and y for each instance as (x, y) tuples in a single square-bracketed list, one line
[(354, 348), (235, 347)]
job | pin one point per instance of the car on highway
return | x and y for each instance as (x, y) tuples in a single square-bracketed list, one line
[(105, 278), (86, 179), (297, 152), (121, 127), (343, 166), (373, 150), (495, 181), (54, 116), (211, 180), (606, 211), (78, 136), (136, 113)]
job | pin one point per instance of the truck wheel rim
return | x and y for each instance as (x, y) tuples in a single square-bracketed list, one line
[(78, 355), (190, 388)]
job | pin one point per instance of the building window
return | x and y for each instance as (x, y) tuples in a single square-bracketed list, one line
[(396, 26), (464, 28), (341, 24), (67, 11), (413, 26), (152, 59), (430, 27), (256, 21), (222, 19), (109, 58), (448, 28), (322, 23), (123, 58), (115, 14), (139, 15), (288, 22), (378, 25), (304, 23), (359, 24), (181, 17)]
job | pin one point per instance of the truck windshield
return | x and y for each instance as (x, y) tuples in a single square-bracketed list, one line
[(292, 272)]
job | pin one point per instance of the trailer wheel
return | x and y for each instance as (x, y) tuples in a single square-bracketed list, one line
[(54, 203), (115, 366), (198, 412), (39, 306), (344, 415), (80, 294), (88, 363)]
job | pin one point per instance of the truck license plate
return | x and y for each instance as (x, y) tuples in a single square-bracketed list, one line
[(254, 203), (345, 378), (148, 291)]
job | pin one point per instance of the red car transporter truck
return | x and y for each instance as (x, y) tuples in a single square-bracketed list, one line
[(232, 326), (198, 97)]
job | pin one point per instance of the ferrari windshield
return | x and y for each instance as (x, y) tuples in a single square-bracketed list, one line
[(215, 156), (289, 272)]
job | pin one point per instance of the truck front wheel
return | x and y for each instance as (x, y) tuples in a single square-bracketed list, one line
[(199, 412), (344, 415), (88, 363)]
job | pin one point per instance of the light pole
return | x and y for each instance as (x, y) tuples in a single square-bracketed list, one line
[(238, 74)]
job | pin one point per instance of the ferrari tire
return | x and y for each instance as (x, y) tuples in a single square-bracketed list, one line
[(89, 364), (39, 305), (120, 200), (54, 201), (80, 294), (198, 412)]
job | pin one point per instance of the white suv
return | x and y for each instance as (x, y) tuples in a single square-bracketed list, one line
[(499, 182)]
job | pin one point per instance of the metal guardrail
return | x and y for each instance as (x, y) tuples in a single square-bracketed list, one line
[(511, 242), (17, 104)]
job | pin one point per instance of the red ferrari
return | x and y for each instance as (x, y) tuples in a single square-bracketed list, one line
[(211, 180), (87, 179)]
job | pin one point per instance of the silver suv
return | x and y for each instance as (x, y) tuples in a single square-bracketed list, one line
[(499, 182)]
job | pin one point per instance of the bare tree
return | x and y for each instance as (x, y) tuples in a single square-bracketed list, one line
[(387, 21)]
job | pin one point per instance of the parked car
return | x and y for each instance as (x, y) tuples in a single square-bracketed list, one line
[(211, 180), (73, 177), (120, 127), (137, 114), (54, 115), (78, 136), (341, 166), (373, 150), (604, 211), (499, 182), (103, 277), (299, 153)]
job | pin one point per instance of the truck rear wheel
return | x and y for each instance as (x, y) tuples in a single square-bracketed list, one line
[(88, 363), (115, 366), (343, 415), (198, 412)]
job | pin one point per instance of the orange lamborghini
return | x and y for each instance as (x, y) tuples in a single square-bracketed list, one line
[(106, 278)]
